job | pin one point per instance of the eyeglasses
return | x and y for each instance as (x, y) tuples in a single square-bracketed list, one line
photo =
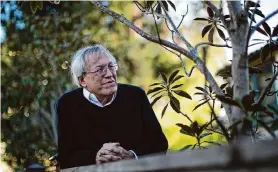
[(103, 70)]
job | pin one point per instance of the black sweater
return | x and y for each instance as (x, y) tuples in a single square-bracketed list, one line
[(84, 127)]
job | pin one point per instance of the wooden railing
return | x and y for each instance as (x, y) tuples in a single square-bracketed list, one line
[(262, 156)]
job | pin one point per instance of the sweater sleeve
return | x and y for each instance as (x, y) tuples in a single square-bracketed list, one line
[(69, 154), (154, 141)]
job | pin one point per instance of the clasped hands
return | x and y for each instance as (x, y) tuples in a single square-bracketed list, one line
[(112, 152)]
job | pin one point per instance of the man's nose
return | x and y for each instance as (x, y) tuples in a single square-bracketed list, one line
[(108, 73)]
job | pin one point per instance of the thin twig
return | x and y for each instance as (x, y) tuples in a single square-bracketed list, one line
[(212, 44), (175, 28), (183, 16)]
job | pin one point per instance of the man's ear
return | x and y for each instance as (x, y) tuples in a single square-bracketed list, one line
[(82, 82)]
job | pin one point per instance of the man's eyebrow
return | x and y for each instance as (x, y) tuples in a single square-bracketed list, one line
[(104, 65)]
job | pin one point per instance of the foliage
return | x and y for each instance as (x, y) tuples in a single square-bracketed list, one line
[(35, 63)]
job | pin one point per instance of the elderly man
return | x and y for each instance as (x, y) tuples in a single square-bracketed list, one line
[(104, 121)]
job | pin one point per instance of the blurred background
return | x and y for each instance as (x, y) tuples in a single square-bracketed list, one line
[(38, 40)]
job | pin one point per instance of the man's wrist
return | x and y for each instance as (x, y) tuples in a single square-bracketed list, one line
[(134, 154)]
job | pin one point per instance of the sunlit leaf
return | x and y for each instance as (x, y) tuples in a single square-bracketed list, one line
[(200, 104), (164, 109), (175, 104), (164, 78), (176, 86), (154, 90), (205, 30), (172, 76), (155, 84), (155, 100), (177, 78), (155, 94), (182, 93)]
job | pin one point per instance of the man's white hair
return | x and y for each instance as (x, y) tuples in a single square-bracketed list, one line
[(78, 62)]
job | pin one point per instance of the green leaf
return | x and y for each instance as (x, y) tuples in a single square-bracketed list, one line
[(182, 93), (154, 90), (195, 128), (247, 101), (252, 4), (156, 84), (221, 34), (163, 111), (258, 12), (199, 93), (172, 76), (205, 30), (177, 78), (200, 104), (185, 147), (186, 129), (172, 4), (176, 86), (261, 31), (227, 100), (175, 104), (156, 99), (274, 125), (155, 94), (202, 89), (210, 36), (165, 5), (275, 31), (264, 52), (158, 10), (266, 28), (210, 12), (223, 86), (214, 143), (164, 78), (202, 19), (204, 135)]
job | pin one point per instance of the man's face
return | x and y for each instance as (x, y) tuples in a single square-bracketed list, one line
[(99, 83)]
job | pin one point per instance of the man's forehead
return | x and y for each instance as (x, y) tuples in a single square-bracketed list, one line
[(97, 59)]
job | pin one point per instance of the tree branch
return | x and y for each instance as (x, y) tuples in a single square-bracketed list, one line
[(212, 44), (262, 21), (145, 35), (191, 55)]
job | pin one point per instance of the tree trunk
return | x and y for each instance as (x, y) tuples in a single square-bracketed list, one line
[(238, 31)]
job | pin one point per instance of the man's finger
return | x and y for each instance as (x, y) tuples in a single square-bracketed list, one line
[(106, 152), (111, 157)]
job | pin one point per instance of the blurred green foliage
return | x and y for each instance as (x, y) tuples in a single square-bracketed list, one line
[(35, 73)]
